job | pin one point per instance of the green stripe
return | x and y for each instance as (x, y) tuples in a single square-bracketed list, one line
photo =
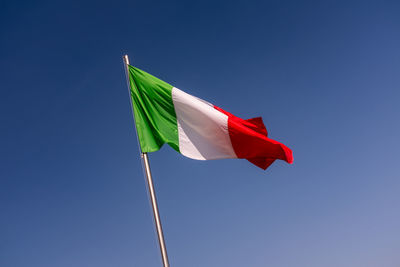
[(154, 111)]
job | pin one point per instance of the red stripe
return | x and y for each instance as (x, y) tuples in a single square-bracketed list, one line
[(250, 141)]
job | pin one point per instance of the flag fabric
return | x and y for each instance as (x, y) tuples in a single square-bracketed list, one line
[(196, 128)]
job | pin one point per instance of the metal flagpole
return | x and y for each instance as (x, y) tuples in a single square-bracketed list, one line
[(147, 172)]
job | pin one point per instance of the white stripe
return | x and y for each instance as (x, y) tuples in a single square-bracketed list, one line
[(203, 130)]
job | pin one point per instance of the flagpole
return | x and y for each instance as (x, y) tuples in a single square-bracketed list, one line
[(149, 179)]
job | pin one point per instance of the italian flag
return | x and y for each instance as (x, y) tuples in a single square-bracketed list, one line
[(196, 128)]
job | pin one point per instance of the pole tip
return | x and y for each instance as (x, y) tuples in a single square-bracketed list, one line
[(126, 59)]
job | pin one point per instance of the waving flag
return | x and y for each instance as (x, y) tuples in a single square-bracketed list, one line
[(196, 128)]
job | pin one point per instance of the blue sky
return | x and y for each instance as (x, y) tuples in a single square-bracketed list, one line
[(324, 75)]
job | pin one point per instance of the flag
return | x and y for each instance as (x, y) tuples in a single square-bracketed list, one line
[(196, 128)]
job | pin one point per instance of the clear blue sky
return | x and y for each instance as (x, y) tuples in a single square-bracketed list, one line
[(324, 75)]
